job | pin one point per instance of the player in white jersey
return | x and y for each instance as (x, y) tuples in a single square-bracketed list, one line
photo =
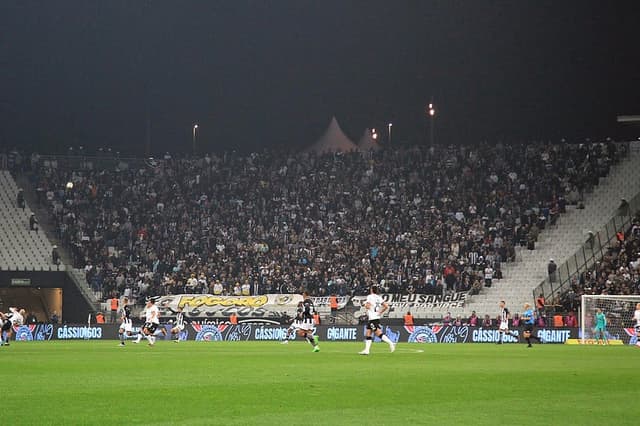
[(152, 320), (14, 318), (178, 325), (636, 317), (504, 322), (375, 307)]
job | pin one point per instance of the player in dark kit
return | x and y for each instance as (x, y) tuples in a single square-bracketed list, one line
[(527, 317), (5, 327), (178, 325), (125, 330), (306, 327), (294, 327), (504, 322)]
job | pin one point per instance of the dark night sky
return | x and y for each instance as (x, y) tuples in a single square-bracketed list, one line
[(258, 73)]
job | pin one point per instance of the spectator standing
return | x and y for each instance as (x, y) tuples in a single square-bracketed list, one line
[(54, 317), (488, 275), (558, 320), (540, 304), (113, 304), (487, 321), (473, 319), (192, 283), (20, 199), (55, 256), (333, 304), (408, 319), (515, 322), (237, 290), (551, 269), (571, 320), (33, 223)]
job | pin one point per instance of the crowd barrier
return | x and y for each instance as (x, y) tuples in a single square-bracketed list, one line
[(261, 332)]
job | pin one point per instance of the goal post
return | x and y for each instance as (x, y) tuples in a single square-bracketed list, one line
[(617, 309)]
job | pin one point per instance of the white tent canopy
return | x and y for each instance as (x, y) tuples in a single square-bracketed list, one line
[(367, 143), (333, 140)]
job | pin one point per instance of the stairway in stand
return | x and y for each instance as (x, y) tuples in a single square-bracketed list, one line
[(559, 242)]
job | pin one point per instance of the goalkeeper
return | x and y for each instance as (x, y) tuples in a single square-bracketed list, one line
[(601, 327)]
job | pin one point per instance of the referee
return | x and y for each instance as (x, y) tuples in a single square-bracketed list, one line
[(527, 317)]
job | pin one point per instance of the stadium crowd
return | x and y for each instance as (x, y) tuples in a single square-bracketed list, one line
[(415, 219), (618, 273)]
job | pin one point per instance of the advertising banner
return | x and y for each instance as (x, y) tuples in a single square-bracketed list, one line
[(65, 332), (626, 335), (210, 332), (210, 306), (466, 334), (418, 302), (323, 302)]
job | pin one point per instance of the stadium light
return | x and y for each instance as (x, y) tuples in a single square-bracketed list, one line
[(431, 111), (195, 128), (374, 134), (69, 185), (390, 125)]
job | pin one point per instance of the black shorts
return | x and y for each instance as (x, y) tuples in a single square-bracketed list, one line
[(373, 325), (528, 328), (6, 326), (637, 328), (151, 327)]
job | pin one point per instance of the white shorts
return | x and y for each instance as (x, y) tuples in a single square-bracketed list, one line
[(126, 326), (178, 327), (303, 325), (504, 325)]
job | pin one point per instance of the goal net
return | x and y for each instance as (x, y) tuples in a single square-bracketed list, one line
[(617, 309)]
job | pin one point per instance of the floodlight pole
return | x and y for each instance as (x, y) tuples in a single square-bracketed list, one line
[(431, 110), (195, 129)]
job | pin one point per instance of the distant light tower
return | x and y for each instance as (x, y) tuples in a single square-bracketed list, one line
[(432, 118), (389, 126), (374, 134), (195, 130)]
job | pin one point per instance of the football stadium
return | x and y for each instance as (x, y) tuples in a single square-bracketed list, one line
[(455, 266)]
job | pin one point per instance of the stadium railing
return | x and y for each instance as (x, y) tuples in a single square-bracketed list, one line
[(591, 251)]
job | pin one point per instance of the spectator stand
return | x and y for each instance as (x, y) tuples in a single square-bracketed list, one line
[(422, 220), (607, 263)]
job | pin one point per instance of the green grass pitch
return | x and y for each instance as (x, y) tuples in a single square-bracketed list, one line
[(265, 383)]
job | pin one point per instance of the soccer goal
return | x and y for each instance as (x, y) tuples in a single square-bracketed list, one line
[(617, 309)]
